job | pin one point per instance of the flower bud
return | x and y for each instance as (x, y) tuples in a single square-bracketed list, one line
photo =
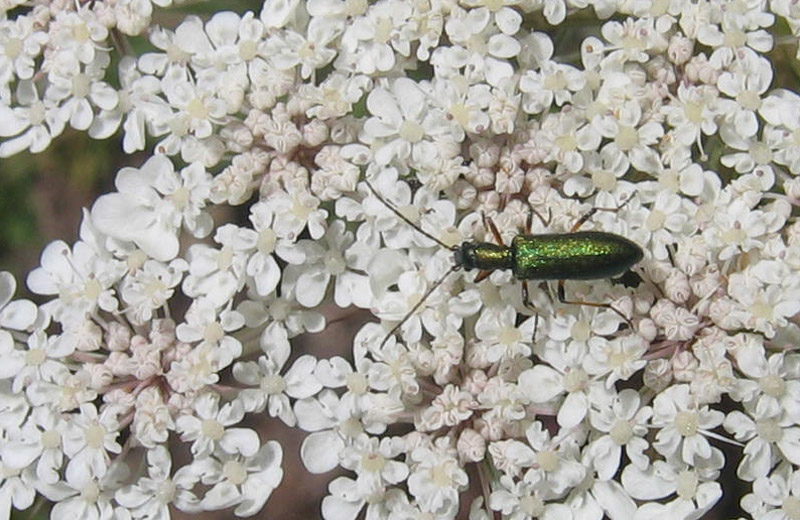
[(315, 132), (657, 375), (676, 287), (680, 49), (684, 366), (471, 446)]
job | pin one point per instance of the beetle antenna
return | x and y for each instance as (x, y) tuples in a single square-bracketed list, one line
[(408, 220), (417, 305)]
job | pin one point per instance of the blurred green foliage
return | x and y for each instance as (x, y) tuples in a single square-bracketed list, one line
[(42, 195)]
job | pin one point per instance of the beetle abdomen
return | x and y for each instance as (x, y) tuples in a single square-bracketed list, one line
[(584, 255)]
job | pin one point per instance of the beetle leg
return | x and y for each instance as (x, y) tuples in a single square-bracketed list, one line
[(586, 216), (526, 301), (562, 298), (490, 224), (483, 275), (531, 213), (526, 297), (592, 211)]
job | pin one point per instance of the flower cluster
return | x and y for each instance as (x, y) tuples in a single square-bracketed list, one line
[(330, 126)]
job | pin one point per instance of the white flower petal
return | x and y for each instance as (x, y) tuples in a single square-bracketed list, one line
[(320, 451), (614, 500), (240, 440), (18, 315), (541, 383), (645, 485)]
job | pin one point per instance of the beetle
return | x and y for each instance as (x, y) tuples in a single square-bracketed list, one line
[(575, 255)]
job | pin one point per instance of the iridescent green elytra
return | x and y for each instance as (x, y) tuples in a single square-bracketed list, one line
[(582, 255)]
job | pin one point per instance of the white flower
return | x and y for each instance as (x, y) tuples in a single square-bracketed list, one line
[(197, 108), (197, 367), (331, 421), (204, 323), (631, 39), (741, 230), (502, 338), (714, 375), (624, 421), (436, 477), (632, 135), (344, 502), (20, 44), (503, 401), (683, 426), (43, 359), (669, 216), (522, 500), (565, 137), (82, 279), (594, 496), (131, 17), (79, 34), (82, 495), (405, 124), (372, 460), (464, 103), (33, 121), (780, 133), (483, 43), (768, 291), (449, 408), (151, 205), (262, 265), (764, 430), (776, 497), (334, 423), (553, 83), (552, 460), (217, 273), (308, 51), (177, 54), (88, 440), (563, 375), (245, 482), (151, 287), (438, 219), (138, 100), (151, 496), (220, 50), (620, 358), (310, 277), (746, 88), (295, 210), (589, 324), (693, 114), (76, 88), (275, 389), (369, 44), (280, 313), (335, 96), (770, 383), (39, 440), (208, 428), (152, 419), (696, 493), (396, 305), (733, 35)]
